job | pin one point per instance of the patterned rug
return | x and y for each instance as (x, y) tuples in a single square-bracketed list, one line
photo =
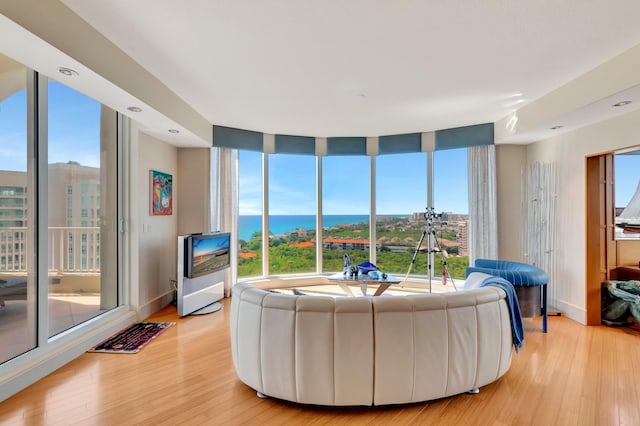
[(132, 339)]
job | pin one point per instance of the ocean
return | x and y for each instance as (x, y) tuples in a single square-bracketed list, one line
[(281, 224)]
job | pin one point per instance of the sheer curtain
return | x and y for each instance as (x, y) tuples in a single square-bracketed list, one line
[(483, 221), (224, 203)]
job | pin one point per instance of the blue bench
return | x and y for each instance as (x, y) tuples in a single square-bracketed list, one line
[(530, 283)]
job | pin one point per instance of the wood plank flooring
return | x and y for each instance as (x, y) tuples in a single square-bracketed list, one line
[(574, 375)]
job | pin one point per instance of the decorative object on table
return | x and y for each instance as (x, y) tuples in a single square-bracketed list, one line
[(161, 193), (619, 301), (346, 265), (366, 267), (353, 272), (133, 338), (375, 275)]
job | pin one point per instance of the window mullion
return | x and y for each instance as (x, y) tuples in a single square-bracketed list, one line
[(319, 237), (38, 125), (265, 214), (372, 210)]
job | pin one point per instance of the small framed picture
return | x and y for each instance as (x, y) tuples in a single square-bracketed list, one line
[(161, 193)]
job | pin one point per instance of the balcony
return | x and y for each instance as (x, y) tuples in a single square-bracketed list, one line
[(74, 282)]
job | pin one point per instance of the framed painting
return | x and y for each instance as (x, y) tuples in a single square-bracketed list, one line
[(161, 193)]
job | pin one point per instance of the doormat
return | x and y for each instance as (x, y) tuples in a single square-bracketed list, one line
[(132, 339)]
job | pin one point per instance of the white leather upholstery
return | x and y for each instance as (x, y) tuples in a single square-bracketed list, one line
[(369, 350)]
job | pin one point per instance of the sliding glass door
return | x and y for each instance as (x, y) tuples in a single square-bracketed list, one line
[(58, 209), (18, 303), (82, 171)]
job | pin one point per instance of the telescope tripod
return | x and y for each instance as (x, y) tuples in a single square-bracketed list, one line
[(433, 246)]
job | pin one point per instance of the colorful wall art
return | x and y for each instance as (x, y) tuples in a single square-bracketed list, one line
[(161, 193)]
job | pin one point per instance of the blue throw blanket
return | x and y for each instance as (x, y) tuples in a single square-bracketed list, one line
[(517, 331)]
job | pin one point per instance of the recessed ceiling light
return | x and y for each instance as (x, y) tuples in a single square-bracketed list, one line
[(621, 103), (559, 126), (134, 109), (174, 131), (67, 71)]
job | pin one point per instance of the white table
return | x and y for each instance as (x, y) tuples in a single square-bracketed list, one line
[(363, 281)]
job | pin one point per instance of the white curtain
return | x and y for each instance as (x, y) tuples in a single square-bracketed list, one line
[(539, 200), (224, 203), (483, 221)]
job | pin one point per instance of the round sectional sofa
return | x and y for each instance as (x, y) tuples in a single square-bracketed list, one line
[(366, 350)]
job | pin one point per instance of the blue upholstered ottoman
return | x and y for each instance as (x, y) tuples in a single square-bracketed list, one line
[(530, 283)]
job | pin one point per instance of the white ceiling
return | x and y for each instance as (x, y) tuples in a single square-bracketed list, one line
[(364, 68)]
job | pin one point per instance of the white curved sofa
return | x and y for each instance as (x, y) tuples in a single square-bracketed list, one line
[(369, 350)]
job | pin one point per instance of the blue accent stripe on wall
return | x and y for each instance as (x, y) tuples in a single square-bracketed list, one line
[(463, 137), (229, 137), (396, 144), (347, 146), (286, 144)]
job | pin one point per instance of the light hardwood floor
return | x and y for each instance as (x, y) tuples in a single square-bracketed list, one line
[(573, 375)]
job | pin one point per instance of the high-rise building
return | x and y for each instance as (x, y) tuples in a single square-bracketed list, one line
[(74, 202), (463, 238), (13, 220)]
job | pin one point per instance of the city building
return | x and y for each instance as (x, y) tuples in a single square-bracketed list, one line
[(346, 244), (463, 238), (13, 220)]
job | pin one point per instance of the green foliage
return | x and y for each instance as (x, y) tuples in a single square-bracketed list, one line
[(251, 266), (399, 263), (254, 244), (285, 258)]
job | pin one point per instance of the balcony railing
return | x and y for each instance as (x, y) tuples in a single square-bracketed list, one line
[(71, 250)]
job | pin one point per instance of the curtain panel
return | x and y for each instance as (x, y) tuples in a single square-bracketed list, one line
[(224, 202), (483, 221)]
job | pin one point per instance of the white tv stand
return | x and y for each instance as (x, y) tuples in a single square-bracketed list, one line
[(200, 295)]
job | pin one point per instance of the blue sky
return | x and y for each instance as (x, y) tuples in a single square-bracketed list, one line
[(627, 177), (74, 129), (400, 183)]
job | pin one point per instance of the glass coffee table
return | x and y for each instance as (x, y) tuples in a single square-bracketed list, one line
[(363, 282)]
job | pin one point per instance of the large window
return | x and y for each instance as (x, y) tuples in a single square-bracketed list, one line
[(400, 184), (82, 154), (346, 195), (627, 194), (451, 200), (18, 303), (292, 213), (401, 199), (54, 262), (250, 226)]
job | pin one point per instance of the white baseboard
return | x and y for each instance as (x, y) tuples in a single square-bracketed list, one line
[(576, 313), (154, 305)]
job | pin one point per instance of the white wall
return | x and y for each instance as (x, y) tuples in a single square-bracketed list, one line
[(154, 238), (569, 152), (194, 165), (509, 162)]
